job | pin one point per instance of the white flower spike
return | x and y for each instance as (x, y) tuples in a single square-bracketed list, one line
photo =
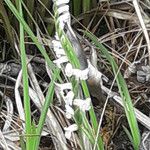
[(84, 105), (69, 130)]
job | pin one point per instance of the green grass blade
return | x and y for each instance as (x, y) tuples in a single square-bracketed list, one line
[(48, 101), (129, 109), (25, 85), (128, 134), (86, 5), (22, 143), (77, 7)]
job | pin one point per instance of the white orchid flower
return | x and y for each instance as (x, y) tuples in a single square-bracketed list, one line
[(69, 130), (59, 52), (61, 87), (64, 18), (69, 98), (79, 74), (68, 70), (69, 112), (84, 105), (60, 60), (56, 43)]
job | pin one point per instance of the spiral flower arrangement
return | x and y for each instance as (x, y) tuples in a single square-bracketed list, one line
[(63, 50)]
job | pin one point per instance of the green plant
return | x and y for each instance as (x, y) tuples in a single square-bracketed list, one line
[(128, 106), (33, 133)]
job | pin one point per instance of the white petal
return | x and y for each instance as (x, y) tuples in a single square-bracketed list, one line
[(81, 74), (58, 48), (71, 128), (62, 87), (68, 134), (87, 105), (69, 98), (84, 74), (93, 72), (65, 86), (56, 36), (62, 9), (69, 109), (60, 60), (59, 52), (56, 43), (68, 70), (69, 112), (64, 18), (84, 105), (68, 116), (59, 2), (76, 73)]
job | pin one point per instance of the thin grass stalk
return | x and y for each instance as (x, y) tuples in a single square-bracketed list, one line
[(143, 25), (22, 143), (25, 85), (47, 4), (47, 104), (31, 9)]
